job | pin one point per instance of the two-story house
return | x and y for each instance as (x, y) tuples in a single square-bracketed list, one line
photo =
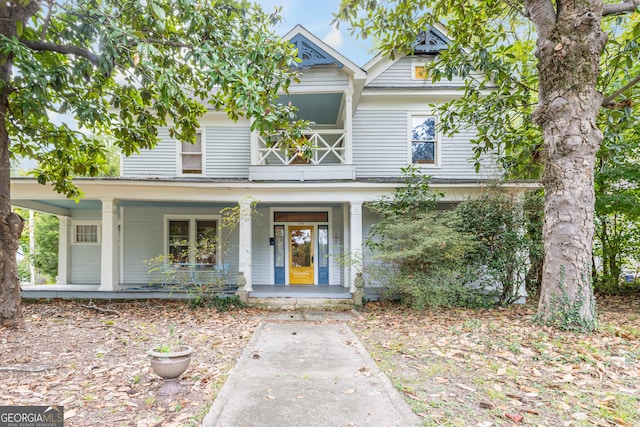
[(366, 124)]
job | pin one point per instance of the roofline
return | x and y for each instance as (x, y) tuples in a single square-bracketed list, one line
[(354, 69)]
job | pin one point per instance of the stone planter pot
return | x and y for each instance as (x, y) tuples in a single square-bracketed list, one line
[(169, 366)]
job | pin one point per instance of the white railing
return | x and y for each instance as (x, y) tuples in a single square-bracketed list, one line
[(329, 147)]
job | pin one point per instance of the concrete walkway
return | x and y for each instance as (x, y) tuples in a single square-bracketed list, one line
[(307, 374)]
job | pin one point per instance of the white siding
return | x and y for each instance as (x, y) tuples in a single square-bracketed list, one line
[(228, 151), (400, 75), (144, 234), (380, 148), (86, 262), (143, 240), (379, 143), (321, 80), (336, 247), (160, 161), (85, 258), (262, 257)]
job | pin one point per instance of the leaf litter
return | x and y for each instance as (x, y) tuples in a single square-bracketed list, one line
[(464, 367), (457, 367)]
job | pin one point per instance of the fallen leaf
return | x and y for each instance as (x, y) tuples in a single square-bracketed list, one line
[(501, 371), (270, 397), (466, 387), (349, 391), (514, 417)]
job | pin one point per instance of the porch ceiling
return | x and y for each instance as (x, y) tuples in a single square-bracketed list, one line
[(319, 108)]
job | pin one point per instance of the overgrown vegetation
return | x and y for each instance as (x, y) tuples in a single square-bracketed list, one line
[(200, 271), (474, 255)]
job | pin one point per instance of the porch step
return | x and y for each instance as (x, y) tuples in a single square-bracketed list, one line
[(297, 303)]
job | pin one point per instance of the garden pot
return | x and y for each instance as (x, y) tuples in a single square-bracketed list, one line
[(169, 366)]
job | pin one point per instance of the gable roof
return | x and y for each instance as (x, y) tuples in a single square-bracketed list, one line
[(429, 42), (313, 51)]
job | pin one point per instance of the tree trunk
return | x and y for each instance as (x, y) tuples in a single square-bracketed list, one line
[(568, 51), (11, 224)]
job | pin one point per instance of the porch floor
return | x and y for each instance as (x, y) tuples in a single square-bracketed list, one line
[(169, 292)]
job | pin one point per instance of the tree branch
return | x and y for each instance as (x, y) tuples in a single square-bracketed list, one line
[(63, 49), (626, 6), (543, 16), (518, 8), (609, 98)]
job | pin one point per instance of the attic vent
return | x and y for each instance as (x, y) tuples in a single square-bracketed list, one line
[(311, 54), (431, 41)]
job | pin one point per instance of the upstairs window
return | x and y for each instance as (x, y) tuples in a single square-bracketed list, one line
[(423, 140), (192, 156)]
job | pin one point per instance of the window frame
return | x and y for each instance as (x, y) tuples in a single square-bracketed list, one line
[(180, 155), (437, 143), (74, 231), (191, 243)]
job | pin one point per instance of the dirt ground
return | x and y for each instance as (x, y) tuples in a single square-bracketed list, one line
[(455, 367)]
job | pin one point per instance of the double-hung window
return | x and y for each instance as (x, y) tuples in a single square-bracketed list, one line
[(192, 239), (423, 140), (191, 156)]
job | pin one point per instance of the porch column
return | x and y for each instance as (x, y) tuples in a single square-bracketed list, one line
[(245, 244), (109, 255), (348, 114), (355, 226), (64, 224)]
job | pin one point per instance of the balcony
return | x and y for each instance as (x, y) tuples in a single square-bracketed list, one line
[(328, 161)]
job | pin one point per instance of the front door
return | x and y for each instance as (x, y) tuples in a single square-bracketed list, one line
[(301, 255)]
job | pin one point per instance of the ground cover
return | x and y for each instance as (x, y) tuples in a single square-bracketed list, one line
[(495, 368), (454, 367)]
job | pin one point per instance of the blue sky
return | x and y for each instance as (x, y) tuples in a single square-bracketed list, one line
[(316, 16)]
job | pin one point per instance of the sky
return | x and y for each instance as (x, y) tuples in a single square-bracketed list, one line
[(316, 16)]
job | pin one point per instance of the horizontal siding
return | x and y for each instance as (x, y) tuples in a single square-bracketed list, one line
[(317, 79), (262, 258), (144, 234), (336, 246), (379, 143), (380, 148), (85, 261), (159, 161), (400, 74), (85, 258), (228, 151)]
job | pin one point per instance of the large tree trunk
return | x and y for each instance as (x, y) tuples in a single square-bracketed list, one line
[(10, 223), (569, 48), (10, 229)]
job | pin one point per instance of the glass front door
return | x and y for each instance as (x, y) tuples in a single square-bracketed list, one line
[(301, 255)]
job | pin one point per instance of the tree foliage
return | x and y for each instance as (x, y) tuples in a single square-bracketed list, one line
[(45, 254), (537, 73), (125, 68)]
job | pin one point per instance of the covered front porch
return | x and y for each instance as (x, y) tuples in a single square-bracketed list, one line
[(262, 295)]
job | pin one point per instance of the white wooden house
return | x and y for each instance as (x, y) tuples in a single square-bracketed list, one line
[(367, 123)]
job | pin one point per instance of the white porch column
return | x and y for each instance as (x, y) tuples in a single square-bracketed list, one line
[(64, 225), (355, 228), (245, 244), (348, 115), (110, 254)]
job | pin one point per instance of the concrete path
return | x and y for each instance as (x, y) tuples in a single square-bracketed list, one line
[(307, 374)]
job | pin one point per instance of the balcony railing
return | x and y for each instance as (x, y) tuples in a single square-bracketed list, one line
[(329, 147)]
